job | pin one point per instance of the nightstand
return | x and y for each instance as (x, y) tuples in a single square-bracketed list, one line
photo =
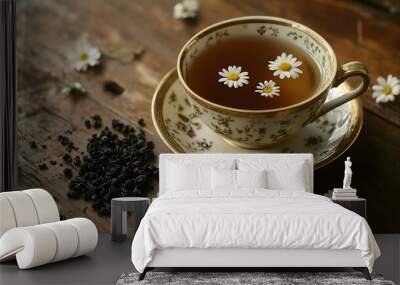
[(357, 205), (119, 214)]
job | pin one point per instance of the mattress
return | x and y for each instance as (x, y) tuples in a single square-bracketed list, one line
[(250, 219)]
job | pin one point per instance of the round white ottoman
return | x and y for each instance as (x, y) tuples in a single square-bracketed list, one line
[(40, 244), (26, 208)]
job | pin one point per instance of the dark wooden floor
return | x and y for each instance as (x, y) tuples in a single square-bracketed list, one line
[(48, 30), (110, 260)]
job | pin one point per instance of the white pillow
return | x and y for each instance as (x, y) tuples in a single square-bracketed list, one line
[(223, 179), (188, 174), (227, 179), (251, 179), (292, 179), (181, 177), (281, 174)]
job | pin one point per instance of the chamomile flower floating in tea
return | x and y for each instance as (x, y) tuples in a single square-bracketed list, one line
[(234, 77), (386, 89), (285, 66), (268, 89)]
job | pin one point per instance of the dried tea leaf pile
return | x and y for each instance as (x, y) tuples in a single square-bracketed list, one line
[(118, 163)]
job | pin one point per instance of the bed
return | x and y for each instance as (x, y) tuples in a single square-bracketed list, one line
[(246, 211)]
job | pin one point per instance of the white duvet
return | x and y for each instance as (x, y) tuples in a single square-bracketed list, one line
[(250, 219)]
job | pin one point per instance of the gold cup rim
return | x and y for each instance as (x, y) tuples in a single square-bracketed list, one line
[(257, 20)]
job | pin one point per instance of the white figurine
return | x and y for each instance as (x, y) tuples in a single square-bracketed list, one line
[(347, 174)]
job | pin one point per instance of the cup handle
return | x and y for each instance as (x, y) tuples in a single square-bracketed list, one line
[(347, 70)]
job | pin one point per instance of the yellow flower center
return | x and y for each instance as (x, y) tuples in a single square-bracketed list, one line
[(267, 89), (84, 56), (284, 66), (233, 76), (387, 90)]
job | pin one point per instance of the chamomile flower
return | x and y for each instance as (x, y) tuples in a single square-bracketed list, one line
[(285, 66), (86, 56), (386, 89), (74, 89), (233, 76), (186, 9), (268, 89)]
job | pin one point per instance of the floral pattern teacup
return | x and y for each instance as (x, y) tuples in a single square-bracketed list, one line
[(256, 129)]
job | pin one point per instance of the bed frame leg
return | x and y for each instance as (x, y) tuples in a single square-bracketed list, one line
[(364, 271), (143, 274)]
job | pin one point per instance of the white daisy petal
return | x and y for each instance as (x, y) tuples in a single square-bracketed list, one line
[(191, 4), (297, 63), (389, 79), (94, 52), (394, 81), (80, 66), (298, 70), (93, 62), (293, 74), (377, 87), (381, 80), (396, 90)]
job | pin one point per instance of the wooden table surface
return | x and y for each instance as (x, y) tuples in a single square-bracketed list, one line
[(48, 30)]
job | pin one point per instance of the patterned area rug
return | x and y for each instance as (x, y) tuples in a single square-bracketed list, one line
[(243, 278)]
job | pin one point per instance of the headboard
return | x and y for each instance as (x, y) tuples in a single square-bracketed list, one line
[(210, 158)]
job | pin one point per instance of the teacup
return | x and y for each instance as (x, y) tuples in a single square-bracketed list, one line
[(256, 129)]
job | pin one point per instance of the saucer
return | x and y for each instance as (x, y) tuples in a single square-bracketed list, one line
[(326, 138)]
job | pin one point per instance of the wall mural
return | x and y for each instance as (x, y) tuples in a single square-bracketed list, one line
[(93, 110)]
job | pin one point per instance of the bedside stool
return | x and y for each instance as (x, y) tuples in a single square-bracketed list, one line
[(357, 205), (119, 214)]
